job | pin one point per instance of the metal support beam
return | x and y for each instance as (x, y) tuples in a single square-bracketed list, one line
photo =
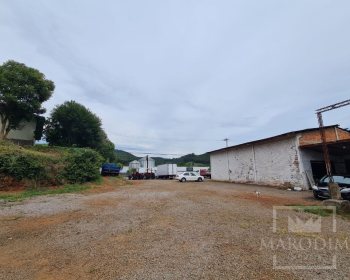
[(334, 106), (323, 134), (325, 148)]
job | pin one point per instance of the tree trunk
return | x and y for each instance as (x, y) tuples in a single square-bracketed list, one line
[(4, 131)]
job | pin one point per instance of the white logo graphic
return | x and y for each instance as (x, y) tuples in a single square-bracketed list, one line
[(298, 225)]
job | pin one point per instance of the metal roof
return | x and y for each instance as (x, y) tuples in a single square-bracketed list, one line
[(273, 138)]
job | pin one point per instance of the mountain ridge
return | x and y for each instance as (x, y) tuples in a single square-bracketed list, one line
[(192, 159)]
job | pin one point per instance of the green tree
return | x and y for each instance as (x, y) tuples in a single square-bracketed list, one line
[(106, 148), (22, 92), (73, 125)]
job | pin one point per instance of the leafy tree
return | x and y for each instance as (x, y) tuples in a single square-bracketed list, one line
[(22, 92), (106, 148), (39, 128), (73, 125)]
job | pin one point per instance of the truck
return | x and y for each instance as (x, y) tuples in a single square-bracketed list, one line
[(110, 169), (141, 176), (205, 173), (166, 171)]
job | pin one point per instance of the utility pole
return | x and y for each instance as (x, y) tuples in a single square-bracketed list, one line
[(323, 134), (226, 140), (228, 159), (147, 164)]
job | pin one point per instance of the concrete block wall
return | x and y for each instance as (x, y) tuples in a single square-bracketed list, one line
[(270, 163), (277, 163)]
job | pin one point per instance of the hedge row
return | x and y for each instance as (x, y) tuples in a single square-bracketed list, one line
[(46, 166)]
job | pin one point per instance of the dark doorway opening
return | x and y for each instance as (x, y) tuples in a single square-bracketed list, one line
[(318, 168), (347, 166)]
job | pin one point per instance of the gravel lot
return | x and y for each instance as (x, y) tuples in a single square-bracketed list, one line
[(166, 230)]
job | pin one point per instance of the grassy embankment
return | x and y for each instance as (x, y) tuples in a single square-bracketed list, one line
[(41, 170)]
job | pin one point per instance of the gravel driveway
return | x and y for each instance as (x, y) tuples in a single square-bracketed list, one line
[(163, 229)]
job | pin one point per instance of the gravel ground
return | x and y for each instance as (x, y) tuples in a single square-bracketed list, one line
[(167, 230)]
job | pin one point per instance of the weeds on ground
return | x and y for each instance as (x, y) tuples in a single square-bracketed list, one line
[(69, 188), (319, 210), (43, 191)]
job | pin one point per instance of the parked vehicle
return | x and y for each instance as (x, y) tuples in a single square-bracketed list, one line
[(141, 176), (110, 169), (189, 176), (205, 173), (321, 191), (166, 171)]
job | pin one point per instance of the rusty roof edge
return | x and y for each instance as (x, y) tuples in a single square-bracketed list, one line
[(273, 138)]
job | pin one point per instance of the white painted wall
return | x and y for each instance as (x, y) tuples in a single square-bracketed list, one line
[(25, 132), (271, 163)]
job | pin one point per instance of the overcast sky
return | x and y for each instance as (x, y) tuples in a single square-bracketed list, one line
[(177, 77)]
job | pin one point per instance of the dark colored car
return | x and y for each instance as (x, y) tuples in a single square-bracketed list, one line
[(110, 169), (321, 191)]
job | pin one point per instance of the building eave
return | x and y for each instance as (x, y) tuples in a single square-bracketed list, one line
[(270, 139)]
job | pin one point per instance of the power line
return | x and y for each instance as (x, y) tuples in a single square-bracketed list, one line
[(160, 154), (165, 139)]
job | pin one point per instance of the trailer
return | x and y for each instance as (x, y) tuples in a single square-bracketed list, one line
[(166, 171)]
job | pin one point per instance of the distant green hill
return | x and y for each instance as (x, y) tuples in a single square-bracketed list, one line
[(125, 157), (192, 159), (186, 160)]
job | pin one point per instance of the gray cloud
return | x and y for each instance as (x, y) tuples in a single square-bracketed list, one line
[(178, 76)]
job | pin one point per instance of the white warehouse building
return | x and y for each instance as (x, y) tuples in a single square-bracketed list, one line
[(290, 159)]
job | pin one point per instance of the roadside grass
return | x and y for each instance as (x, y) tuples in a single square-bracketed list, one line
[(318, 210), (69, 188), (28, 193)]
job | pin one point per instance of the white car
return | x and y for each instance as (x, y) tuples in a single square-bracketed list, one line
[(189, 176)]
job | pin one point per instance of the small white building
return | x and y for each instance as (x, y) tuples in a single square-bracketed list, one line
[(290, 159), (134, 165), (24, 135)]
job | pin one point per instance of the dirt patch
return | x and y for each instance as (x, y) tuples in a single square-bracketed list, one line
[(10, 185), (108, 184), (150, 230), (270, 201), (102, 202), (42, 223)]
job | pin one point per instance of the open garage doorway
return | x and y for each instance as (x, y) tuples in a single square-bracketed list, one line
[(318, 168)]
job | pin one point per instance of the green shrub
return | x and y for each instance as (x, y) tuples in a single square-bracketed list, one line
[(44, 165), (82, 165), (22, 166)]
